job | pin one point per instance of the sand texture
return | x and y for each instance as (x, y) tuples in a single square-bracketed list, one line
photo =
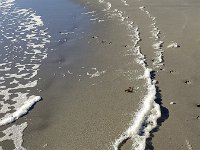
[(96, 51)]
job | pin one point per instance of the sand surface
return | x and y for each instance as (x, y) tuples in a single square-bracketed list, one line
[(81, 110), (82, 81)]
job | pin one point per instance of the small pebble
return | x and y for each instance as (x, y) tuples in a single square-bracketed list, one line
[(161, 69), (198, 105), (172, 103), (94, 37), (45, 145), (129, 90), (187, 82)]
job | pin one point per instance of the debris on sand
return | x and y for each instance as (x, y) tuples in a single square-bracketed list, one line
[(172, 103), (129, 90), (173, 45)]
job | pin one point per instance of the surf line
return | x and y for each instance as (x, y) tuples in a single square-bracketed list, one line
[(145, 118), (158, 61)]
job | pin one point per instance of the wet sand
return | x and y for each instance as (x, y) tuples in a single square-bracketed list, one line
[(179, 23), (81, 110), (83, 79), (178, 80)]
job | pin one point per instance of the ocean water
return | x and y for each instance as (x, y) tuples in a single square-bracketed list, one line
[(25, 41), (23, 47)]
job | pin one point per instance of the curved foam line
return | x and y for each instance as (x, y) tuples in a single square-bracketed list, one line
[(146, 118), (158, 60), (20, 112)]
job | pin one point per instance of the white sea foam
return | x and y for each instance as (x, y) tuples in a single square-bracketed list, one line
[(173, 45), (157, 45), (90, 12), (189, 146), (21, 111), (93, 19), (107, 5), (125, 2), (146, 118), (17, 76), (96, 74), (69, 72), (15, 133)]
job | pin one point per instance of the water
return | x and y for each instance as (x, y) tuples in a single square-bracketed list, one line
[(24, 42)]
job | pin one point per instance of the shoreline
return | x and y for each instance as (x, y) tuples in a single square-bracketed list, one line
[(107, 47), (91, 95)]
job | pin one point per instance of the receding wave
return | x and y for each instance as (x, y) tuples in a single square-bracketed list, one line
[(24, 42)]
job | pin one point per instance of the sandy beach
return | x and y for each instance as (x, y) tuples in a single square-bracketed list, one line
[(81, 56)]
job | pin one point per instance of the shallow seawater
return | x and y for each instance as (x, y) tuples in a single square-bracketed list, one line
[(25, 42)]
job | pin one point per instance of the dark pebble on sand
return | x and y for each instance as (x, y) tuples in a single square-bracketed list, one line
[(198, 105), (94, 37), (129, 90), (187, 82), (161, 69)]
